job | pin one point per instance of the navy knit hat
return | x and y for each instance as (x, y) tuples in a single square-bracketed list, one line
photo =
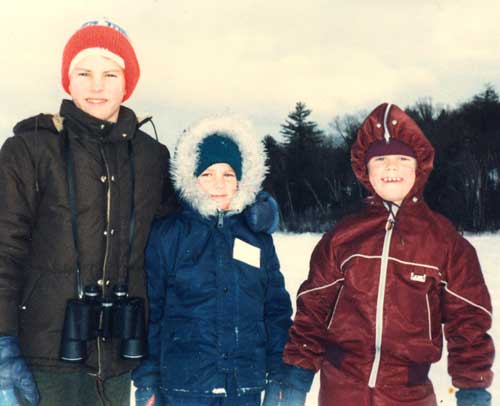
[(218, 148)]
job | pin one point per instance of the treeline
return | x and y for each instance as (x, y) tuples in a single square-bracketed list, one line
[(311, 176)]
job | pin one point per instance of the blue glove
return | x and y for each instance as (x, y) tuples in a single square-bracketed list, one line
[(147, 397), (473, 397), (263, 214), (293, 397), (14, 372)]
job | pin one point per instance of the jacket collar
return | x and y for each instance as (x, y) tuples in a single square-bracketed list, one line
[(411, 205), (95, 129), (229, 217)]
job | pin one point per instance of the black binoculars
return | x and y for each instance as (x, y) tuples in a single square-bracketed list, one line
[(118, 316)]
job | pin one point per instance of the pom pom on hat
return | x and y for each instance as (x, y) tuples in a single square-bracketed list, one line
[(104, 38)]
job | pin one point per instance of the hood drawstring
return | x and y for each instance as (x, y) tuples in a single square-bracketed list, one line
[(392, 208), (147, 119), (154, 129)]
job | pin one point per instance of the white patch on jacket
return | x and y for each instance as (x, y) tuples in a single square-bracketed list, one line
[(185, 160)]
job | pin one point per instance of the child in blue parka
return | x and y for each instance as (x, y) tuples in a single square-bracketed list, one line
[(219, 312)]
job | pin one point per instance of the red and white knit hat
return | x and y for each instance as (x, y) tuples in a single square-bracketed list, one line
[(101, 37)]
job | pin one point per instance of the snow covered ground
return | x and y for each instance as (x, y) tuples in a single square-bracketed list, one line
[(294, 251)]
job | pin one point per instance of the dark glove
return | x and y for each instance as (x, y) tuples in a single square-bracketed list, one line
[(14, 372), (473, 397), (147, 397), (263, 214)]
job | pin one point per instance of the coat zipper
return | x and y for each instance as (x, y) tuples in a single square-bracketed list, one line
[(108, 217), (220, 219), (108, 243), (379, 321)]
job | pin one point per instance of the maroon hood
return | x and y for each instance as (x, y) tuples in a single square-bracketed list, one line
[(385, 122)]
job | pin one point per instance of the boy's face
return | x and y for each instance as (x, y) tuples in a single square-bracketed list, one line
[(392, 176), (97, 86), (219, 181)]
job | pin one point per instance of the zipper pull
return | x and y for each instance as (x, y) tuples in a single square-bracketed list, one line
[(220, 219)]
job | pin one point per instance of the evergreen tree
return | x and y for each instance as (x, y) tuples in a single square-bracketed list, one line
[(298, 130), (277, 171), (303, 186), (480, 130)]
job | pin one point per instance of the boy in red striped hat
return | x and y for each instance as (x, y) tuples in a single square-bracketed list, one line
[(78, 192)]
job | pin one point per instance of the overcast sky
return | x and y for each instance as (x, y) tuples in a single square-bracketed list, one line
[(259, 57)]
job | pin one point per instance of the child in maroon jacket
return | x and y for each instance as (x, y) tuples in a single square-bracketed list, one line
[(384, 281)]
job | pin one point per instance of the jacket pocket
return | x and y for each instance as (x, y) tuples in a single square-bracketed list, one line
[(181, 356), (416, 301), (181, 372), (253, 281), (183, 282), (332, 316), (429, 315), (42, 311), (180, 336), (28, 291)]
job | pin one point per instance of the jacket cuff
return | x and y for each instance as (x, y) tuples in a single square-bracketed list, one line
[(146, 376), (275, 368), (298, 378)]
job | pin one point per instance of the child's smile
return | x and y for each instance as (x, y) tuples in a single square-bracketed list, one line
[(392, 179), (392, 176), (95, 101), (219, 181), (97, 86)]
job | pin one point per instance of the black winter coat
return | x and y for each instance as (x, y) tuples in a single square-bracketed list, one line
[(37, 249)]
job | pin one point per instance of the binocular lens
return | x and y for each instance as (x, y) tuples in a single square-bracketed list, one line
[(132, 348), (119, 317), (73, 350), (75, 331)]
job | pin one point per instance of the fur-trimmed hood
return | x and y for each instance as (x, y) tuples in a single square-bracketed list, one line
[(185, 159)]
